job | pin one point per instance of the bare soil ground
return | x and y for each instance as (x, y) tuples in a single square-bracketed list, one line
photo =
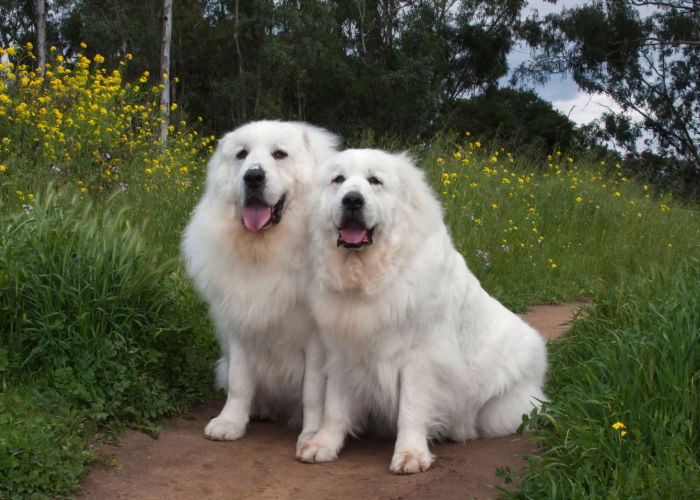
[(182, 464)]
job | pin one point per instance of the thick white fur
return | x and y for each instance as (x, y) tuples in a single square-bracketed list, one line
[(413, 341), (255, 283)]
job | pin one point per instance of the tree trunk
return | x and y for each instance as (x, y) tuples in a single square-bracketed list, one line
[(40, 24), (258, 72), (241, 69), (165, 71)]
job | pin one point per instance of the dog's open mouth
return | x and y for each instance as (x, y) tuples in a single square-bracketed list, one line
[(354, 234), (258, 215)]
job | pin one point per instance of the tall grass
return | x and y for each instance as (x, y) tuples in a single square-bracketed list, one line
[(625, 411), (550, 228), (98, 328), (95, 324)]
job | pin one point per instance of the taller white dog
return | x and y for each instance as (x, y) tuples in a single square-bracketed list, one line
[(246, 247), (414, 342)]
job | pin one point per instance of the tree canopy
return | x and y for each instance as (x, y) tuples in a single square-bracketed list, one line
[(644, 54), (394, 66), (404, 68)]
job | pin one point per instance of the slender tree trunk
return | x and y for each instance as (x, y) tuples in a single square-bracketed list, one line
[(165, 71), (299, 103), (241, 69), (40, 23), (362, 13), (258, 73)]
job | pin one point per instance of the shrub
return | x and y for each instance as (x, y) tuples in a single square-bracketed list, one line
[(88, 131)]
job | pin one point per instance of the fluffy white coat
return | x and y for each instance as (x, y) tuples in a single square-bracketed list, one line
[(255, 280), (413, 341)]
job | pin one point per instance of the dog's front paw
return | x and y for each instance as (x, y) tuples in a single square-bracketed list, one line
[(411, 461), (304, 438), (315, 451), (220, 429)]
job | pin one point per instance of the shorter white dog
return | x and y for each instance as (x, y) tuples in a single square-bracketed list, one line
[(414, 343)]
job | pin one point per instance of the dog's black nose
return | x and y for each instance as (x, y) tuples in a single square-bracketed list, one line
[(353, 200), (254, 177)]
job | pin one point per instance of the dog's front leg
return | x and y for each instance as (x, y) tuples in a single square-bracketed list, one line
[(313, 393), (411, 453), (338, 419), (233, 419)]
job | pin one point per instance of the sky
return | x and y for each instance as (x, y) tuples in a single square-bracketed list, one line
[(563, 93)]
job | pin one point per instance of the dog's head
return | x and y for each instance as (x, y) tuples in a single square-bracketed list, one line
[(367, 197), (262, 167)]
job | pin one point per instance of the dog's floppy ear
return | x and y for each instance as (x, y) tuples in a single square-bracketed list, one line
[(217, 173), (421, 198), (321, 143)]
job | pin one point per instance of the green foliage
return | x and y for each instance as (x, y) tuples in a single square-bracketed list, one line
[(391, 66), (97, 319), (88, 131), (114, 28), (43, 448), (623, 421), (513, 119)]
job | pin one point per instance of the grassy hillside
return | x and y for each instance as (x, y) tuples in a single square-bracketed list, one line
[(99, 328), (544, 228)]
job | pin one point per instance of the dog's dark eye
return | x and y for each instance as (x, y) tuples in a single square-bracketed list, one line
[(339, 180), (375, 180), (241, 154), (279, 155)]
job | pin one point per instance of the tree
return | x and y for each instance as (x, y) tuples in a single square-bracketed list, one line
[(40, 26), (393, 66), (27, 21), (165, 71), (513, 118), (114, 28), (644, 54), (17, 22)]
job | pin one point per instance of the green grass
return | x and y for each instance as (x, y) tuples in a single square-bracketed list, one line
[(541, 230), (98, 330), (633, 358)]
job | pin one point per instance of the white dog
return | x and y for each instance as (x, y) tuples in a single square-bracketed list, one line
[(246, 247), (413, 341)]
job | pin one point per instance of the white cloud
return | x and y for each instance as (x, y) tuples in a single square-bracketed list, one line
[(584, 108)]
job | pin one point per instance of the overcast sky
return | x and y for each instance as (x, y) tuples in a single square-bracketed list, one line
[(563, 93)]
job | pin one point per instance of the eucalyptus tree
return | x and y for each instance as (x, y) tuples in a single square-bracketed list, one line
[(644, 54)]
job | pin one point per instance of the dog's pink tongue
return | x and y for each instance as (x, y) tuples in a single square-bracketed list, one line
[(256, 215), (353, 233)]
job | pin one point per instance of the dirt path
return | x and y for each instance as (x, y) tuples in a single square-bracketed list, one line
[(182, 464)]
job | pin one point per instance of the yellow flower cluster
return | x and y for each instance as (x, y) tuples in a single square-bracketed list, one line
[(619, 426), (87, 125)]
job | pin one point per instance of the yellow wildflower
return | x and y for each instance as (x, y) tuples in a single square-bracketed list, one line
[(619, 426)]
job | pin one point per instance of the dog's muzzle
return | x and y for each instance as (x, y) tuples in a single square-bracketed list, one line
[(257, 213), (353, 231)]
